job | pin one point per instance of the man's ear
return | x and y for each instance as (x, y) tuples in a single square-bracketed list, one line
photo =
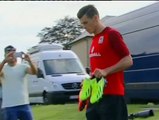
[(96, 17)]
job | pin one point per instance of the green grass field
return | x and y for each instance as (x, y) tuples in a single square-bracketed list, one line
[(70, 111)]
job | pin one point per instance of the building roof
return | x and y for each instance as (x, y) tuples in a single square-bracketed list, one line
[(122, 20), (86, 34)]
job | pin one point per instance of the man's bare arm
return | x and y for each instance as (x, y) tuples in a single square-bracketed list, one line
[(123, 64), (1, 67)]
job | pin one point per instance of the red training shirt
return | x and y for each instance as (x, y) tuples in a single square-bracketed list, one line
[(107, 49)]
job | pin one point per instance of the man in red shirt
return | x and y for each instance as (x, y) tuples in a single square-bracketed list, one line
[(109, 57)]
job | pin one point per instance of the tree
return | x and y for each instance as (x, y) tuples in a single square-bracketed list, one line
[(65, 31)]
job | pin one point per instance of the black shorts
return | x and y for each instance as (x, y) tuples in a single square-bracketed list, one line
[(110, 107)]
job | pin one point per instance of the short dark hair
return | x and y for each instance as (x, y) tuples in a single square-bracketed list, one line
[(88, 10), (9, 48)]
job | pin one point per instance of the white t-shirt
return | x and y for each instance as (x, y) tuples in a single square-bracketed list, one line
[(14, 86)]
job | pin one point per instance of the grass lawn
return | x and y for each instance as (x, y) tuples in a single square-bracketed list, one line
[(70, 111)]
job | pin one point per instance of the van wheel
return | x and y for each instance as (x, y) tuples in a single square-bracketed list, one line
[(46, 98)]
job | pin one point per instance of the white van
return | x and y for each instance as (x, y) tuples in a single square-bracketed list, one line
[(60, 73)]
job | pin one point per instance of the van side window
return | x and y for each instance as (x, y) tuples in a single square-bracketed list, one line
[(62, 66)]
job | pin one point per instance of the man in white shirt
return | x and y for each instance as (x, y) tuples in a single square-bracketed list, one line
[(1, 114), (15, 97)]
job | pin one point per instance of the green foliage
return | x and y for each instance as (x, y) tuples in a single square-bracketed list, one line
[(65, 31)]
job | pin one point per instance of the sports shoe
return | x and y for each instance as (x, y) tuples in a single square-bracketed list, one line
[(81, 105), (101, 85), (97, 90), (86, 90)]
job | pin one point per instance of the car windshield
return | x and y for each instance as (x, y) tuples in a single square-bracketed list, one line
[(63, 66)]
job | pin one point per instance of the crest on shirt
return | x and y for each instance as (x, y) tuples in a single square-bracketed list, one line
[(101, 39)]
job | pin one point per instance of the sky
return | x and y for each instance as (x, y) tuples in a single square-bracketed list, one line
[(21, 21)]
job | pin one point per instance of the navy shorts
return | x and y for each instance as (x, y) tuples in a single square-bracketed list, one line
[(110, 107), (22, 112)]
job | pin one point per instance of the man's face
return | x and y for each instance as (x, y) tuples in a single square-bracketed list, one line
[(10, 54), (88, 23)]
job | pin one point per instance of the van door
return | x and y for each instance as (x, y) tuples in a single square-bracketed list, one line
[(35, 88)]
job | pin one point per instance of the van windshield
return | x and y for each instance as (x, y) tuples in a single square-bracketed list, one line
[(63, 66)]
